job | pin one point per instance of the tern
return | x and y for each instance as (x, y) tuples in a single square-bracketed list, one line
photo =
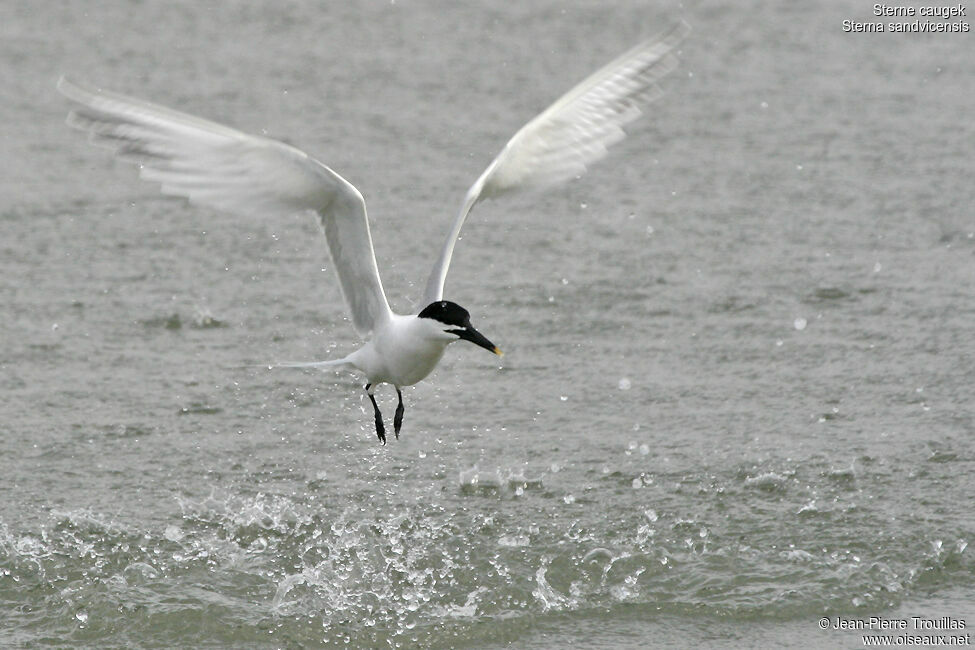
[(217, 166)]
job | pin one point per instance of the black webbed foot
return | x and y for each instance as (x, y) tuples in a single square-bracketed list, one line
[(398, 418), (380, 428)]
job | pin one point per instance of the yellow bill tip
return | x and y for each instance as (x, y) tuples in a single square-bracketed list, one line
[(498, 351)]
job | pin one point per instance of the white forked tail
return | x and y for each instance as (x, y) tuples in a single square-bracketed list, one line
[(335, 364)]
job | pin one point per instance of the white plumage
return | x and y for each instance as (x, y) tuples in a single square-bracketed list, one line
[(575, 131), (215, 165)]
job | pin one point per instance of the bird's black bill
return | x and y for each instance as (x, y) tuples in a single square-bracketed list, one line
[(475, 337)]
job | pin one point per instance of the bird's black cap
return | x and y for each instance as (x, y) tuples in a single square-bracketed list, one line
[(448, 313)]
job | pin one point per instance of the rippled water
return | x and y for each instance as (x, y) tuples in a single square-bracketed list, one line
[(737, 390)]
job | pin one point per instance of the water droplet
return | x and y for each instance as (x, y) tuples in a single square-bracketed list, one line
[(519, 491), (625, 383), (799, 168), (637, 483), (422, 454), (564, 398), (569, 499), (877, 267), (173, 533), (565, 281), (82, 616), (779, 343), (764, 104), (651, 515), (644, 449), (799, 323), (554, 468), (649, 230), (583, 205)]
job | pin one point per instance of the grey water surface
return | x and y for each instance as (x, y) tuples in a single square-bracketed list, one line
[(740, 352)]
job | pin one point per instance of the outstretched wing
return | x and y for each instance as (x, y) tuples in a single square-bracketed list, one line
[(214, 165), (572, 133)]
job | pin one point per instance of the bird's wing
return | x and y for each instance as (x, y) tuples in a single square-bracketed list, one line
[(570, 134), (214, 165)]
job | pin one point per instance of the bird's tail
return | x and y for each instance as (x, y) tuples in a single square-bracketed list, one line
[(334, 364)]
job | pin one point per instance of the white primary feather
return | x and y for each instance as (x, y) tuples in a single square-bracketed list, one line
[(572, 133), (214, 165)]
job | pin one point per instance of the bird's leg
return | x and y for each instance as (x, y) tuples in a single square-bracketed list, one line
[(380, 429), (398, 418)]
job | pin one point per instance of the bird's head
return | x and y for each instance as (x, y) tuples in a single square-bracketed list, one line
[(455, 321)]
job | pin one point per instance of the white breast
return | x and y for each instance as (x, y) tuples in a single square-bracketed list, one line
[(404, 351)]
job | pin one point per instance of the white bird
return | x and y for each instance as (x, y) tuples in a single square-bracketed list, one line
[(217, 166)]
